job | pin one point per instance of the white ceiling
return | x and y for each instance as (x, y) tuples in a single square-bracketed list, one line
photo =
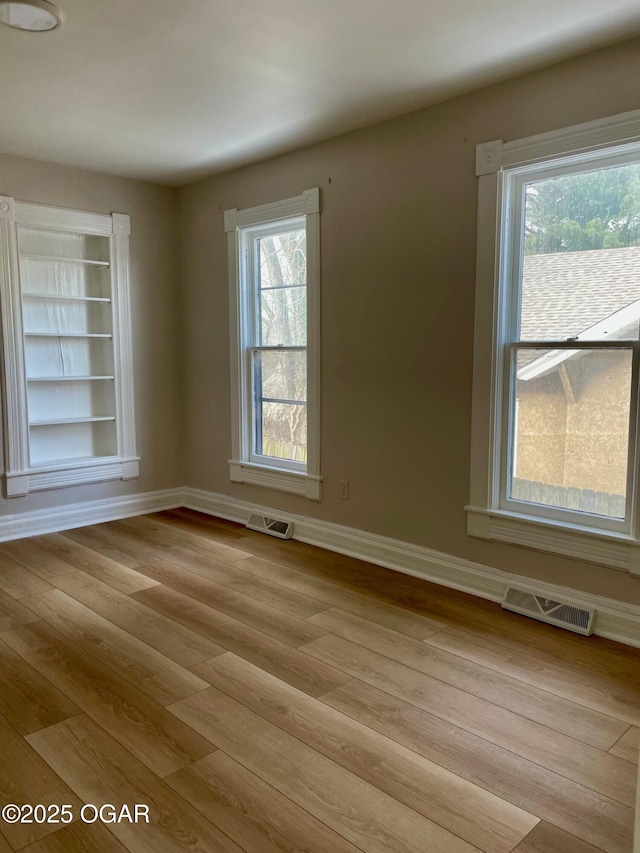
[(172, 90)]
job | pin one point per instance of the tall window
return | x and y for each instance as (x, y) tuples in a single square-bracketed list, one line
[(274, 294), (277, 349), (559, 410), (572, 307)]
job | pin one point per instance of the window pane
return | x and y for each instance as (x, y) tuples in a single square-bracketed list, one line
[(283, 317), (280, 382), (284, 431), (570, 428), (582, 256), (282, 293), (281, 375), (283, 259)]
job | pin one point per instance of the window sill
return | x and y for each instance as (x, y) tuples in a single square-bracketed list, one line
[(615, 550), (305, 485)]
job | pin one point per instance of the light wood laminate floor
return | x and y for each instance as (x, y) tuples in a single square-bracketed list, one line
[(265, 696)]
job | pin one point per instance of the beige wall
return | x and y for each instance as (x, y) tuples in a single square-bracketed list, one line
[(155, 303), (398, 277)]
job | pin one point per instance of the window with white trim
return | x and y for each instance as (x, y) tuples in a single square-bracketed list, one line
[(68, 374), (274, 280), (557, 345)]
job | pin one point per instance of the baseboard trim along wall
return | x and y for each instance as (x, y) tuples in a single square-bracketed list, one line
[(54, 519), (614, 619)]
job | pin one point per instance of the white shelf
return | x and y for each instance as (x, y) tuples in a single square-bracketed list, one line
[(66, 298), (66, 378), (72, 461), (59, 259), (59, 421), (65, 335)]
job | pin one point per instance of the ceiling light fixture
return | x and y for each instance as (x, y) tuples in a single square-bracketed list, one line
[(36, 16)]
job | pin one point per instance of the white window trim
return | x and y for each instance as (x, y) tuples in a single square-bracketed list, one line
[(20, 477), (485, 519), (241, 468)]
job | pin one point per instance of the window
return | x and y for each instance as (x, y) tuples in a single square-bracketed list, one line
[(67, 347), (273, 270), (557, 346)]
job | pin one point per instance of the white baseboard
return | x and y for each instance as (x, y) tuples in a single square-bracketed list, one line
[(614, 619), (53, 519)]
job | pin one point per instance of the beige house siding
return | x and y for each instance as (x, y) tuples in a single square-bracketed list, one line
[(542, 427), (575, 434)]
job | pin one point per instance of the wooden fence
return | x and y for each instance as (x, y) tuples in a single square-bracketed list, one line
[(284, 449), (585, 500)]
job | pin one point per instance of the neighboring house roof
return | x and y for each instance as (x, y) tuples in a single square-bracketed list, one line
[(591, 295), (565, 293)]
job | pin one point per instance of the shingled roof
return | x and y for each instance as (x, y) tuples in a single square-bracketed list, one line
[(565, 293)]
